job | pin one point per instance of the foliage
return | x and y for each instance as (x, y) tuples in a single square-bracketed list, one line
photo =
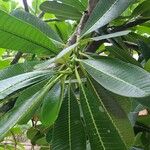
[(81, 77)]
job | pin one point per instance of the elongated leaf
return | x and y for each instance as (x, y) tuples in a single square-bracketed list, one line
[(145, 49), (60, 10), (68, 131), (103, 134), (51, 106), (10, 119), (16, 34), (25, 96), (119, 77), (17, 69), (118, 108), (142, 10), (111, 35), (122, 54), (105, 12), (10, 85), (75, 3), (38, 23)]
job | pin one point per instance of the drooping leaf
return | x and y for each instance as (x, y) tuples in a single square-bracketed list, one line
[(104, 12), (51, 105), (119, 77), (60, 10), (17, 113), (16, 34), (103, 134), (68, 130)]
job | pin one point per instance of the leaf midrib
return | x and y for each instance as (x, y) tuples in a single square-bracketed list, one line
[(93, 120), (29, 40), (103, 15), (112, 76)]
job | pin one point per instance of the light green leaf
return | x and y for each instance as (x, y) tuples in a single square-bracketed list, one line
[(64, 55), (104, 12), (60, 10), (103, 134), (51, 105), (16, 34), (119, 77), (4, 63), (68, 131)]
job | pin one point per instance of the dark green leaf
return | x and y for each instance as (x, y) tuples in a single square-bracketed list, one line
[(51, 105), (68, 130), (118, 108), (119, 77), (60, 10), (105, 12), (103, 134)]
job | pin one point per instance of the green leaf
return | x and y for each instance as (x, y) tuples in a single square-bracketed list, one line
[(10, 85), (75, 3), (118, 108), (64, 55), (17, 69), (111, 35), (103, 134), (119, 77), (142, 9), (25, 96), (68, 131), (147, 66), (16, 34), (60, 10), (4, 63), (17, 113), (36, 22), (145, 49), (51, 105), (122, 54), (104, 12)]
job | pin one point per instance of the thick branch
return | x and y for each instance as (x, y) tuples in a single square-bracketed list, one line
[(94, 45), (17, 57), (85, 17), (26, 7), (130, 24)]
